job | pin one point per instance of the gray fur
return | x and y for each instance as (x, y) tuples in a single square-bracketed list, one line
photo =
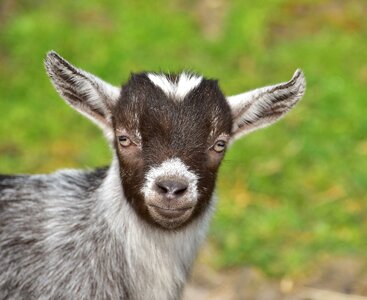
[(109, 233), (67, 235)]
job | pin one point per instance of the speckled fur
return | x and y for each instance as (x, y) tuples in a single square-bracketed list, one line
[(69, 235)]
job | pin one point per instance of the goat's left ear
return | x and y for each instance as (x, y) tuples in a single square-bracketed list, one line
[(261, 107), (85, 92)]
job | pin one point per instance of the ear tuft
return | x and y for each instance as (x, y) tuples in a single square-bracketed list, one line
[(264, 106), (298, 84)]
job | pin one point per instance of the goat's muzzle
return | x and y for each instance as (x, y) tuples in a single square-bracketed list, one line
[(170, 193)]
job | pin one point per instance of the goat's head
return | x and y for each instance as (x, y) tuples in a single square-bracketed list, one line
[(170, 132)]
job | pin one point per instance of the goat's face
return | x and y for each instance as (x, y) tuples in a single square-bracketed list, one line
[(170, 145), (170, 132)]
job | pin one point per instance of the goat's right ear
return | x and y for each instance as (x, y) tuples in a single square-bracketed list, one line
[(85, 92)]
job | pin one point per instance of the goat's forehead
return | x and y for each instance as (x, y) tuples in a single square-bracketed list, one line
[(176, 87), (158, 100)]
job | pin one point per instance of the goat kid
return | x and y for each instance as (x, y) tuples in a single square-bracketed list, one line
[(130, 231)]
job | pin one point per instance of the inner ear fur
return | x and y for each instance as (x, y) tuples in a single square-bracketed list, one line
[(83, 91), (264, 106)]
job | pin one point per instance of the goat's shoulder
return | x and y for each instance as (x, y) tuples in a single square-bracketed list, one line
[(68, 182), (50, 216)]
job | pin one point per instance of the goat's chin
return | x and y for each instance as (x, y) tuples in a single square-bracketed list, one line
[(170, 217)]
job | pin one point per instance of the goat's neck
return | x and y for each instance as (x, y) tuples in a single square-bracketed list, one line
[(158, 261)]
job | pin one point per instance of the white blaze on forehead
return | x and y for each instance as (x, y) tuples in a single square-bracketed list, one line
[(179, 88), (171, 169)]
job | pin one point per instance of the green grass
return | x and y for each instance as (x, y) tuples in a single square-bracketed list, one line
[(290, 195)]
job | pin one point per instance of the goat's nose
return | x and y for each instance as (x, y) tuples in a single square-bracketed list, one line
[(170, 188)]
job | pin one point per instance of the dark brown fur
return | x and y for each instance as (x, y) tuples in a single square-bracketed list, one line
[(170, 128)]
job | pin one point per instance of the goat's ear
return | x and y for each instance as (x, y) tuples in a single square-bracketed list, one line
[(263, 106), (85, 92)]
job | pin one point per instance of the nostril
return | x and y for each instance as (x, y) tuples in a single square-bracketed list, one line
[(161, 188), (180, 190), (171, 188)]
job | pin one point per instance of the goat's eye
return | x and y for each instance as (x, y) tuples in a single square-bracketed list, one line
[(124, 141), (219, 146)]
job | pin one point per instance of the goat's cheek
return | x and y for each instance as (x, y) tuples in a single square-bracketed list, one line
[(206, 183), (130, 158), (132, 179), (214, 160), (132, 167)]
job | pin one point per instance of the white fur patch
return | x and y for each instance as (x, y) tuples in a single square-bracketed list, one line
[(177, 89), (158, 262), (171, 168)]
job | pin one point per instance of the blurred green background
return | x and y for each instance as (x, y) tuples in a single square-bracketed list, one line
[(291, 195)]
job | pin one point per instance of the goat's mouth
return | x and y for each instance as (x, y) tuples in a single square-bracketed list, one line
[(170, 213), (170, 217)]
